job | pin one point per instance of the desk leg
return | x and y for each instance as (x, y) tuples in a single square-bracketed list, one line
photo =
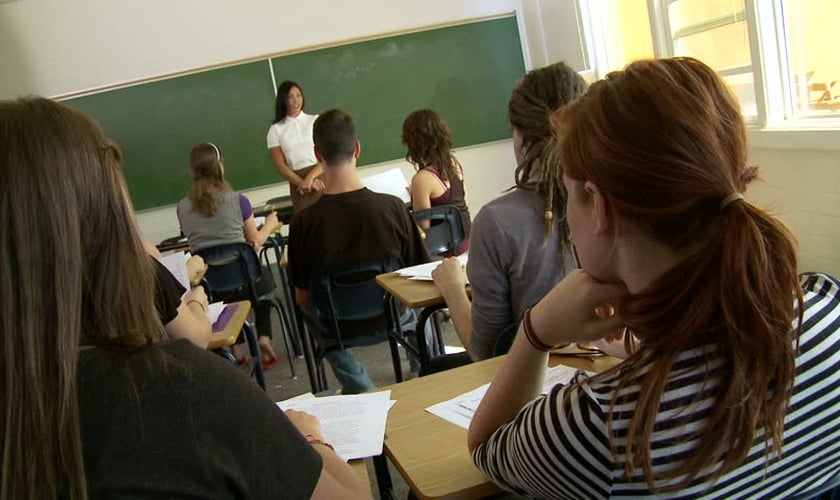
[(254, 350), (394, 332), (383, 477), (309, 356), (294, 331)]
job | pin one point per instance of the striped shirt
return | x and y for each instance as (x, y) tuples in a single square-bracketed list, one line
[(554, 449)]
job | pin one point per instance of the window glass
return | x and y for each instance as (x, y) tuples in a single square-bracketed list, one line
[(812, 55), (716, 32), (722, 48)]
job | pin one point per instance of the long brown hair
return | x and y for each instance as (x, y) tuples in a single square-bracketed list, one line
[(541, 92), (73, 273), (665, 142), (208, 177), (429, 144)]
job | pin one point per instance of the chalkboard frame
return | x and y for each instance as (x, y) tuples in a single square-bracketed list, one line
[(156, 165)]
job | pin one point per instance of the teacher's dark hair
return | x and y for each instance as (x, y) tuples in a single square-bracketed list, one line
[(334, 134), (74, 273), (280, 106), (533, 100)]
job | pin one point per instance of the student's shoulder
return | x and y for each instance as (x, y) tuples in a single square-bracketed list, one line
[(388, 200)]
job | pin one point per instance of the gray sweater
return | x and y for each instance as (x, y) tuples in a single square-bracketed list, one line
[(511, 265)]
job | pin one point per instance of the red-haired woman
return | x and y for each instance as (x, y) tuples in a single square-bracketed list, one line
[(734, 388)]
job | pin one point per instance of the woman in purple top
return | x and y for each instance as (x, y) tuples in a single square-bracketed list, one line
[(440, 178), (212, 214)]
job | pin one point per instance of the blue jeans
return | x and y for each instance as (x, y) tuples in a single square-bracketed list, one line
[(350, 373)]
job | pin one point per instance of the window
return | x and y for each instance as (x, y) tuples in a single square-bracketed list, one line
[(796, 78), (811, 61)]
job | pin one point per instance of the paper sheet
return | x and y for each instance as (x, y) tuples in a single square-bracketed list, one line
[(389, 182), (354, 425), (214, 310), (423, 272), (460, 410), (176, 263)]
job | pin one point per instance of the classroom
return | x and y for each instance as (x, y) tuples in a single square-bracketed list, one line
[(64, 50), (53, 48)]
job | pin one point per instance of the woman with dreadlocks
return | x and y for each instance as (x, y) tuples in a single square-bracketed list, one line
[(519, 245)]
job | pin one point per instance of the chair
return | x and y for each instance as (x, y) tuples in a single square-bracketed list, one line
[(232, 273), (505, 339), (277, 244), (339, 295), (446, 229)]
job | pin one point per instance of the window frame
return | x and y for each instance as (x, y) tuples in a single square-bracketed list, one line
[(777, 121)]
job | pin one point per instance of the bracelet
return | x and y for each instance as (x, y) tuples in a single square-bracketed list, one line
[(531, 336), (315, 440), (200, 304)]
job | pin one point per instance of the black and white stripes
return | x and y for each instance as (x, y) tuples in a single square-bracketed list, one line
[(559, 445)]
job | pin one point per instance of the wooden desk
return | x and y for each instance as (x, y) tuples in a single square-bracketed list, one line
[(360, 468), (282, 205), (431, 453), (228, 335), (173, 245), (416, 294)]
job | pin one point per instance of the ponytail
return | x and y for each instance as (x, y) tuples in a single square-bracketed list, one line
[(738, 302)]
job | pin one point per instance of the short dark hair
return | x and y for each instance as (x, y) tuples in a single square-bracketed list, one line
[(334, 134)]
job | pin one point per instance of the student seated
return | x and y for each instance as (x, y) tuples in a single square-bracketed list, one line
[(98, 404), (440, 178), (212, 214), (348, 224), (184, 315), (734, 390), (519, 248)]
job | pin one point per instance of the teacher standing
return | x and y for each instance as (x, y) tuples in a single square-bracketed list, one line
[(290, 144)]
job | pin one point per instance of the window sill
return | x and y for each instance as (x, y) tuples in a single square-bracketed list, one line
[(795, 138)]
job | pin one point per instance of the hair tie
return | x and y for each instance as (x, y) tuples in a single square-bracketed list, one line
[(730, 199), (218, 154)]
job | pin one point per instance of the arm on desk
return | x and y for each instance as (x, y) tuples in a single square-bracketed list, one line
[(191, 322), (566, 314), (256, 237), (337, 479), (451, 281)]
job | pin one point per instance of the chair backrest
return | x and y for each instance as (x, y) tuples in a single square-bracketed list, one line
[(232, 269), (505, 339), (349, 292), (446, 229)]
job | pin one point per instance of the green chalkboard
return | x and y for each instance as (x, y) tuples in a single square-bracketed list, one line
[(464, 72), (156, 124)]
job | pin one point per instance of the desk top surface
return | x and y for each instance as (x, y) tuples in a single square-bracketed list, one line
[(412, 293), (431, 453), (228, 335)]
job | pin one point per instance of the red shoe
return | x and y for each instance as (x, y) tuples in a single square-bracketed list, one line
[(268, 365)]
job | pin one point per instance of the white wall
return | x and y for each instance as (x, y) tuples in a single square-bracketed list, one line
[(803, 187)]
